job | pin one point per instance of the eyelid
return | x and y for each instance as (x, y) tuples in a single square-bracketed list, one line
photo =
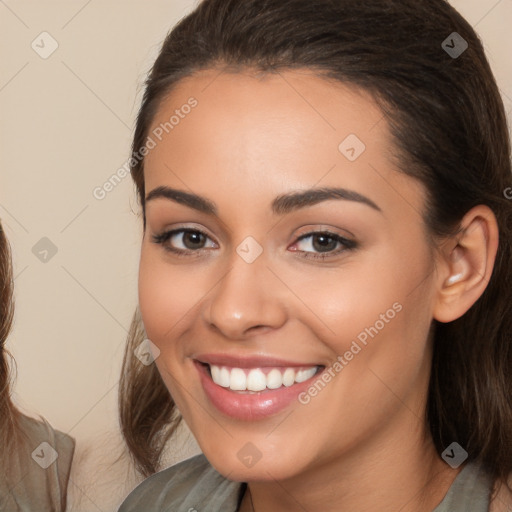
[(330, 234), (175, 228), (325, 228)]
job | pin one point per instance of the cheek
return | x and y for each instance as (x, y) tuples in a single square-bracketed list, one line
[(378, 311), (164, 298), (363, 294)]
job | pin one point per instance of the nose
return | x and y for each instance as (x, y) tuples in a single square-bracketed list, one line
[(247, 300)]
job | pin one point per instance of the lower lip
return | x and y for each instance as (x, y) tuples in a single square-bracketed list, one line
[(249, 406)]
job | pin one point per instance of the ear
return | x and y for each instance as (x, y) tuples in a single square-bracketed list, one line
[(465, 264)]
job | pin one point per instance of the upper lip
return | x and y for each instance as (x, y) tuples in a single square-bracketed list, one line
[(260, 361)]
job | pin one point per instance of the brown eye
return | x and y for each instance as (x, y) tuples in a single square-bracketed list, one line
[(321, 245), (193, 239), (182, 241), (324, 243)]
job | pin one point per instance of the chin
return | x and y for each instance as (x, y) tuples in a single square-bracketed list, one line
[(248, 464)]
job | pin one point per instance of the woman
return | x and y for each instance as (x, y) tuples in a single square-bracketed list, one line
[(325, 274), (35, 459)]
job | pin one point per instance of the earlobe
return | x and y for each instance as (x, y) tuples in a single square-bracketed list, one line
[(467, 264)]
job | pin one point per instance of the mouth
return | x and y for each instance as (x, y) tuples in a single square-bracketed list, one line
[(253, 389), (259, 379)]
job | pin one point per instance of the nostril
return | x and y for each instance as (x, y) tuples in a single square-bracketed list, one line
[(257, 328)]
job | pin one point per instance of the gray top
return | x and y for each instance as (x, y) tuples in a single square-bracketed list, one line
[(38, 472), (194, 485)]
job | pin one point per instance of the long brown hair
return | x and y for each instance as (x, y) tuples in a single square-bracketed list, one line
[(9, 415), (450, 132)]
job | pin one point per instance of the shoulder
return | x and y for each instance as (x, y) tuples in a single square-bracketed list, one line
[(40, 429), (40, 467), (190, 485), (43, 441), (469, 491)]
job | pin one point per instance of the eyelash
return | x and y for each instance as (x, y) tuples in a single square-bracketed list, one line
[(164, 237)]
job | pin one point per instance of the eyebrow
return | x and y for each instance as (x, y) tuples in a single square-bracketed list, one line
[(281, 205)]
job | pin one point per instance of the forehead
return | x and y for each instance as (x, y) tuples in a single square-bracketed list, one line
[(253, 114), (292, 129)]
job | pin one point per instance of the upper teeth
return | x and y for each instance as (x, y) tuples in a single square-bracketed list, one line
[(239, 379)]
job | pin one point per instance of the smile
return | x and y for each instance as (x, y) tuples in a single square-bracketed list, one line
[(259, 379), (253, 389)]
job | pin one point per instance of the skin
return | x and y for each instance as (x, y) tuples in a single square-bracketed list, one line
[(362, 439)]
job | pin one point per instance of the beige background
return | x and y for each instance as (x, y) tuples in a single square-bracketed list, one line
[(65, 128)]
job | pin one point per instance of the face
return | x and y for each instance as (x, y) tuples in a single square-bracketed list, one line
[(292, 325)]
